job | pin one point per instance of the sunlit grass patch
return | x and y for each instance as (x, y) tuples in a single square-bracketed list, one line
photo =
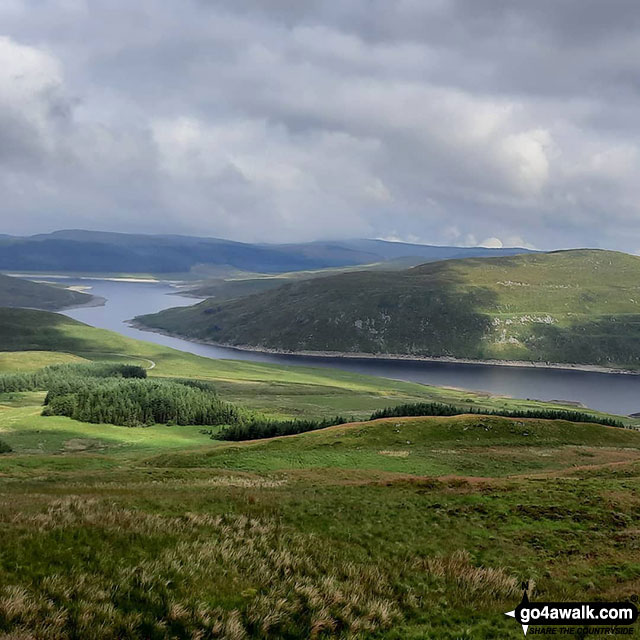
[(12, 361)]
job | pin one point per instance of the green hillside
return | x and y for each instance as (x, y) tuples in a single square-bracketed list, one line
[(17, 292), (239, 285), (579, 306), (416, 446), (34, 339), (402, 528)]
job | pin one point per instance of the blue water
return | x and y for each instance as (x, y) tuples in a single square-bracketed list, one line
[(616, 393)]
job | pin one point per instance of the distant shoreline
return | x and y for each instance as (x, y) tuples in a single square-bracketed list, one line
[(590, 368), (38, 277), (96, 301)]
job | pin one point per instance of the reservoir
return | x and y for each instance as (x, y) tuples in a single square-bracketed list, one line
[(615, 393)]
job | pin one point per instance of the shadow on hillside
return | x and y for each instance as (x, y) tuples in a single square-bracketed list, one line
[(31, 330), (608, 341), (427, 312), (441, 316)]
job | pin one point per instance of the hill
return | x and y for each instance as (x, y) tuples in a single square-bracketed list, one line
[(35, 330), (238, 285), (416, 445), (17, 292), (338, 530), (102, 252), (579, 306), (33, 339), (398, 528)]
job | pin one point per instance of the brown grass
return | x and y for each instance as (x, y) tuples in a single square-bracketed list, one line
[(470, 582), (289, 581), (395, 454)]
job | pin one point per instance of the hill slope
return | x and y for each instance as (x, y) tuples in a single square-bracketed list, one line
[(346, 533), (16, 292), (161, 532), (100, 252), (416, 446), (32, 339), (580, 306), (239, 285)]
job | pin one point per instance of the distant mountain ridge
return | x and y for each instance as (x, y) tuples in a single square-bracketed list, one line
[(578, 306), (108, 252)]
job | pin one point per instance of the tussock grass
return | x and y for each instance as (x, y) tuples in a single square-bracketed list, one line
[(232, 481), (468, 582), (267, 581), (290, 583), (410, 559)]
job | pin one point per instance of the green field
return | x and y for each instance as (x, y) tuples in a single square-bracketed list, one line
[(111, 532), (579, 306), (404, 528)]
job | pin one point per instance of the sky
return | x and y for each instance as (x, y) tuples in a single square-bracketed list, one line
[(500, 122)]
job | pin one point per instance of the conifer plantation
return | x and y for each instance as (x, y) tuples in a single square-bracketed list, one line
[(122, 395)]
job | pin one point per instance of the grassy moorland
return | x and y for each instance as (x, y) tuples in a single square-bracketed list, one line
[(11, 361), (17, 292), (577, 306), (407, 528), (401, 528), (229, 286)]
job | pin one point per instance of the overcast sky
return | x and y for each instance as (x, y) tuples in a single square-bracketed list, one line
[(437, 121)]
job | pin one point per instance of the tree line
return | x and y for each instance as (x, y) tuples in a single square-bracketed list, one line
[(258, 427), (265, 428), (440, 409)]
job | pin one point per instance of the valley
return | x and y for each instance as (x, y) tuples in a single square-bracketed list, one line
[(407, 526), (319, 320), (616, 394), (160, 529), (575, 307)]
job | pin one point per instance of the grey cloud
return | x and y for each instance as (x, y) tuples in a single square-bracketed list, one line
[(439, 120)]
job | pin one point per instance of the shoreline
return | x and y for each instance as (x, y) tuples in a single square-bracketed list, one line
[(96, 301), (38, 277), (589, 368)]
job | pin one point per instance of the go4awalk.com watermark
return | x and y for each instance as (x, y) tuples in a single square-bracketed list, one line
[(578, 619)]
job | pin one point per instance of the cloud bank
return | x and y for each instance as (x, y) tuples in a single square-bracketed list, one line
[(439, 121)]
